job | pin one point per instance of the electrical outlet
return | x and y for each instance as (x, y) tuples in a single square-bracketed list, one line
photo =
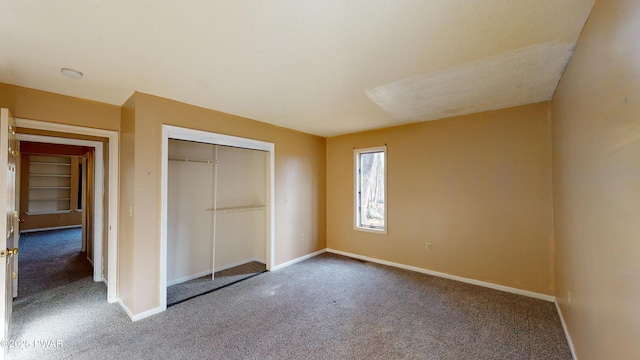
[(429, 247), (302, 237)]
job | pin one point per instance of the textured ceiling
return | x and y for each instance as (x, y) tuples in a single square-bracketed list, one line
[(324, 67)]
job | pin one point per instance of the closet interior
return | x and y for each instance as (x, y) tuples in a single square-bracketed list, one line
[(216, 217)]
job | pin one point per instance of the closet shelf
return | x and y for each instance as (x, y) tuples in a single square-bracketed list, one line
[(60, 199), (50, 187), (47, 212), (49, 163), (231, 209), (51, 175)]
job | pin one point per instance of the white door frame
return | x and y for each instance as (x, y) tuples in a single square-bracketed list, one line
[(174, 132), (96, 258), (112, 237)]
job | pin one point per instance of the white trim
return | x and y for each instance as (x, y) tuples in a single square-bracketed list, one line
[(508, 289), (140, 316), (270, 205), (207, 137), (566, 331), (208, 272), (174, 132), (114, 159), (164, 195), (297, 260), (50, 228)]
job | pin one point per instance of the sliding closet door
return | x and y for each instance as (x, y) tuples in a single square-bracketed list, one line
[(189, 224), (240, 234)]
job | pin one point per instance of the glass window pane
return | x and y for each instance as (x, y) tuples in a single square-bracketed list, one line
[(372, 207)]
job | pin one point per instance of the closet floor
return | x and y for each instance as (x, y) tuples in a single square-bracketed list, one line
[(202, 285)]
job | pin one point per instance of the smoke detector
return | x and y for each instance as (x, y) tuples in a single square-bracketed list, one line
[(70, 73)]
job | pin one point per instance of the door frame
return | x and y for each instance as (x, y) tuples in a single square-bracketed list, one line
[(98, 171), (113, 166), (179, 133)]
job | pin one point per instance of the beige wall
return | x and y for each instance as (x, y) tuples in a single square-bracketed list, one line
[(596, 154), (125, 221), (300, 176), (39, 105), (478, 187), (45, 106)]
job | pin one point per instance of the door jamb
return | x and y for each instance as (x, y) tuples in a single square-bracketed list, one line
[(113, 166)]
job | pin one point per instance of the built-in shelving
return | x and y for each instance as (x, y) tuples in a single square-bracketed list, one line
[(49, 185)]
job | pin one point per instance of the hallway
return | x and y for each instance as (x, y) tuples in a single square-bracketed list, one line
[(50, 259)]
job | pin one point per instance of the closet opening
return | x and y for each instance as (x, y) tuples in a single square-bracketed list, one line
[(217, 212)]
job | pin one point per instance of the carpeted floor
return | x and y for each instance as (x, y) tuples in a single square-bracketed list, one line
[(327, 307), (183, 291), (49, 259)]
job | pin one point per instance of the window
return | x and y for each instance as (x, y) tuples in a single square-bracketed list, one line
[(371, 199)]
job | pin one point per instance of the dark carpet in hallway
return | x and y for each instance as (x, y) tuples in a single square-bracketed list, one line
[(50, 259)]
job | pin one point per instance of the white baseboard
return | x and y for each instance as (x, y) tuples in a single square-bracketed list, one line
[(208, 272), (50, 228), (142, 315), (566, 332), (301, 258), (449, 276)]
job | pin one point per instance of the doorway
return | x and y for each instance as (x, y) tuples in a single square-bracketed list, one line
[(177, 133), (56, 193), (104, 224), (95, 212)]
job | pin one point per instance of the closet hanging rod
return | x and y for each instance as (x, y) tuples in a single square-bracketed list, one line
[(237, 209), (193, 161)]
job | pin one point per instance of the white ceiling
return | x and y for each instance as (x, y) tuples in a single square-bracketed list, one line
[(325, 67)]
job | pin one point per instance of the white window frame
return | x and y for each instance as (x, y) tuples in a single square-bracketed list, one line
[(357, 207)]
